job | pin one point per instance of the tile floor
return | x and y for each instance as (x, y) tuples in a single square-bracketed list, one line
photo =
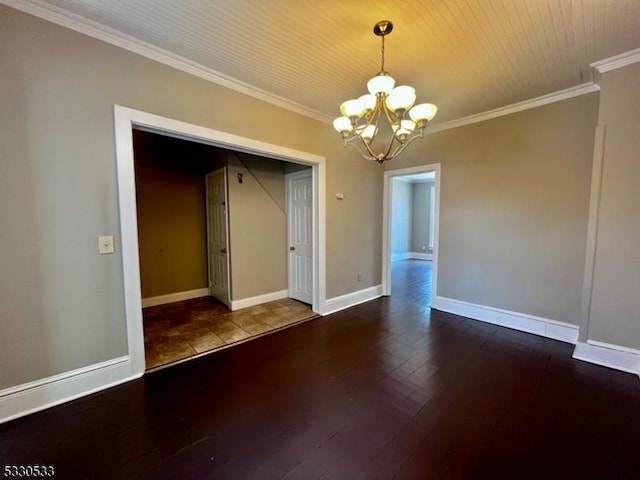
[(180, 330)]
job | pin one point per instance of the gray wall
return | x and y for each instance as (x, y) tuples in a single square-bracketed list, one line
[(615, 301), (62, 302), (410, 217), (401, 216), (257, 226), (514, 205), (421, 217)]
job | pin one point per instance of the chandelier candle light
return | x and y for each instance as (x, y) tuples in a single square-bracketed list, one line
[(360, 116)]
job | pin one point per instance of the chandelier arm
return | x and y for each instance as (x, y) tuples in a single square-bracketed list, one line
[(398, 150), (404, 145), (386, 154), (392, 118), (372, 155), (367, 154), (372, 118)]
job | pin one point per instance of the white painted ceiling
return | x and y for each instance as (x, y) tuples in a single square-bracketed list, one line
[(466, 56), (417, 177)]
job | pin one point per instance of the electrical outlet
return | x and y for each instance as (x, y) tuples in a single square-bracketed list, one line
[(105, 244)]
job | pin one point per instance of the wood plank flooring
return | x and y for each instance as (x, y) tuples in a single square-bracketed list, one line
[(387, 389)]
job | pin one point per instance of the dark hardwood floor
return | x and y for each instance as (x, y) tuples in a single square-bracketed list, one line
[(387, 389)]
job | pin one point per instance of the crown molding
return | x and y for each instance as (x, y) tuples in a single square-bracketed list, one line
[(101, 32), (558, 96), (617, 61)]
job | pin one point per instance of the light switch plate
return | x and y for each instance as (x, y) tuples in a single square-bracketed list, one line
[(105, 244)]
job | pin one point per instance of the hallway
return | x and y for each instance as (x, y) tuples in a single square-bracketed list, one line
[(411, 281)]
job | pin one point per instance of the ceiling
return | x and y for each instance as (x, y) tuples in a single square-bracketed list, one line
[(417, 177), (467, 57)]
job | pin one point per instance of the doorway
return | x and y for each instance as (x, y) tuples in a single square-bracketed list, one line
[(405, 246), (127, 119), (218, 235), (299, 227), (186, 195)]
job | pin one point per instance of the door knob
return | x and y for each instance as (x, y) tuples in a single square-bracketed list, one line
[(292, 248), (223, 250)]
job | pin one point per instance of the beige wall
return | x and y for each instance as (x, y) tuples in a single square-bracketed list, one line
[(257, 226), (354, 224), (514, 206), (615, 301), (171, 211), (420, 218), (401, 216), (62, 302), (269, 174)]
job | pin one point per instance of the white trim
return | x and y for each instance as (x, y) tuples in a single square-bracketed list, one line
[(608, 355), (125, 176), (411, 256), (544, 327), (592, 228), (335, 304), (259, 299), (432, 214), (617, 61), (612, 346), (386, 223), (96, 30), (174, 297), (125, 119), (553, 97), (35, 396)]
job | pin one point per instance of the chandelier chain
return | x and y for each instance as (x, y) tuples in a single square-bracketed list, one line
[(382, 55)]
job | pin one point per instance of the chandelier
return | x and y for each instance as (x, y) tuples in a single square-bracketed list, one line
[(359, 121)]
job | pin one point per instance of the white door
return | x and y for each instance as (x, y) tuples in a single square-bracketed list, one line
[(300, 235), (217, 237)]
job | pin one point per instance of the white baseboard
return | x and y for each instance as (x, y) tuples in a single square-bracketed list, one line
[(544, 327), (174, 297), (420, 256), (257, 300), (34, 396), (335, 304), (608, 355), (411, 255)]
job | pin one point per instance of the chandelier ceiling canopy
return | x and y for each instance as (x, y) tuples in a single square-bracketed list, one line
[(359, 123)]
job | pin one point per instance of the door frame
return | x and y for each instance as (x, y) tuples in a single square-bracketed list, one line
[(287, 192), (125, 120), (386, 223), (223, 170)]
